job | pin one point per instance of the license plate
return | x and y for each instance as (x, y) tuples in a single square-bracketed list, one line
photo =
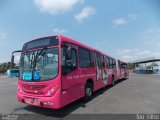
[(29, 100)]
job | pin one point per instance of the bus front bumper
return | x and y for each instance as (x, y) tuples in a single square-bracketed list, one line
[(46, 102)]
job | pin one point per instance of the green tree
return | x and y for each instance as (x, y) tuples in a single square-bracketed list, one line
[(5, 66), (131, 66)]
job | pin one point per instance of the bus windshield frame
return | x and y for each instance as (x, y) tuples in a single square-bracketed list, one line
[(40, 63), (41, 42), (39, 68)]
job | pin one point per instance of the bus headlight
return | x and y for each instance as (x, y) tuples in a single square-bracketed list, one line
[(19, 90), (51, 91)]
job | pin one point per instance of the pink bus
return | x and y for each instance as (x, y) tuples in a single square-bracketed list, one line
[(122, 70), (55, 71)]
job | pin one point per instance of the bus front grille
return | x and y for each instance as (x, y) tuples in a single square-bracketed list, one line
[(33, 89)]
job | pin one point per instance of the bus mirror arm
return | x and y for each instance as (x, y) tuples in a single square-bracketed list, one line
[(69, 53), (12, 58)]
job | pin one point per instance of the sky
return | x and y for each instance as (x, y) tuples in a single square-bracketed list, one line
[(125, 29)]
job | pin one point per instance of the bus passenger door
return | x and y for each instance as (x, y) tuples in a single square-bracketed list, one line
[(70, 77), (74, 83)]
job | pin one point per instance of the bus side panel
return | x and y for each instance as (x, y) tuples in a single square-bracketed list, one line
[(119, 75), (115, 74), (109, 77), (87, 74), (64, 98), (73, 86)]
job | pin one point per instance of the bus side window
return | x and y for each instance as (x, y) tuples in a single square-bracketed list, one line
[(92, 59), (110, 62), (74, 59), (107, 62), (84, 58), (102, 61), (96, 59), (114, 63), (122, 66), (66, 66), (99, 60)]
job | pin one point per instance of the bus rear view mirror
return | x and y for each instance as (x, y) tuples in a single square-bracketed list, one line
[(12, 61), (12, 58)]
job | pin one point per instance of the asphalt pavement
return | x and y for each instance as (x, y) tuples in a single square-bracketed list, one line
[(139, 94)]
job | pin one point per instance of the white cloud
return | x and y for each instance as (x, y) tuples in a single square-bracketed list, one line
[(56, 6), (152, 36), (151, 39), (152, 30), (132, 17), (3, 35), (125, 20), (135, 54), (8, 59), (101, 45), (147, 39), (85, 13), (3, 38), (58, 30), (119, 21), (2, 60), (158, 44)]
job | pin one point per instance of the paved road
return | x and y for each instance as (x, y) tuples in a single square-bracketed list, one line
[(138, 94)]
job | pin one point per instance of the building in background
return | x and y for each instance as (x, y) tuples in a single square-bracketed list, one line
[(150, 65)]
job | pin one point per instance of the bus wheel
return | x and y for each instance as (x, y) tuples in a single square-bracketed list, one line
[(113, 81), (88, 91)]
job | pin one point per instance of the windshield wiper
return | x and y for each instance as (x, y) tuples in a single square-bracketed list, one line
[(42, 53), (32, 60), (35, 59)]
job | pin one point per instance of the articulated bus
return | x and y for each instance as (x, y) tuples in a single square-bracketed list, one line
[(55, 71), (122, 70)]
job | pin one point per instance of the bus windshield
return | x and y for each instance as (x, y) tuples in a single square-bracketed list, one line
[(39, 65)]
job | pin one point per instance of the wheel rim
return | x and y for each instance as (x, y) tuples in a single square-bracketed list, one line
[(88, 91)]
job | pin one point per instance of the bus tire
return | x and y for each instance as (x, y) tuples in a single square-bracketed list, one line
[(88, 92), (113, 81)]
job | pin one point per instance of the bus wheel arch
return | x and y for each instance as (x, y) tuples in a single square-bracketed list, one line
[(88, 90)]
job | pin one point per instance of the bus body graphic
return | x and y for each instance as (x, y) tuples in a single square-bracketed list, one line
[(105, 75)]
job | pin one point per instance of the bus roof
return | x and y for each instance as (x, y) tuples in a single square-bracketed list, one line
[(67, 39), (81, 44), (121, 61)]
